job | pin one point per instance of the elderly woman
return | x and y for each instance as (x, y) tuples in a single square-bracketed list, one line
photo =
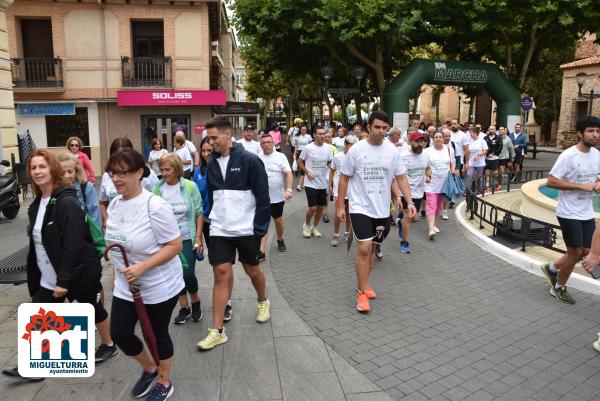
[(186, 203), (74, 145), (146, 227), (184, 154), (62, 262)]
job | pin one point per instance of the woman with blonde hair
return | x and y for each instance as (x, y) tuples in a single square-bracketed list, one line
[(76, 177), (75, 146), (186, 203)]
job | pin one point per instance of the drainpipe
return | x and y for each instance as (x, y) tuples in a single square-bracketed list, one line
[(104, 68)]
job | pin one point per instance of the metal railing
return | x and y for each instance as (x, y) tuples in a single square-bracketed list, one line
[(514, 226), (37, 72), (147, 71)]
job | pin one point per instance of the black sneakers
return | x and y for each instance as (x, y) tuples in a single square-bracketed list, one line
[(261, 256), (196, 311), (228, 313), (281, 246), (105, 352), (144, 384), (14, 374), (184, 314)]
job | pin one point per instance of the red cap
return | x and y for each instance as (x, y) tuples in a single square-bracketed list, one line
[(416, 135)]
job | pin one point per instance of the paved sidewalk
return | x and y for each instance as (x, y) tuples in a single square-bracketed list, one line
[(280, 360), (451, 322)]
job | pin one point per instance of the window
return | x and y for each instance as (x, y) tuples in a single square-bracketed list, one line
[(239, 78), (580, 109), (60, 128)]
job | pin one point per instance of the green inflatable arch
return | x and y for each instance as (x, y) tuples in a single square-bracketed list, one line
[(455, 73)]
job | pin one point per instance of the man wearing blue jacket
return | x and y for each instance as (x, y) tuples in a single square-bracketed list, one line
[(519, 140), (238, 189)]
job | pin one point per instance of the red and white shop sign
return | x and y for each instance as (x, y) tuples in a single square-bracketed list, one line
[(172, 98)]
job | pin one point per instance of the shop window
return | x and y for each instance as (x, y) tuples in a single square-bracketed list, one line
[(60, 128)]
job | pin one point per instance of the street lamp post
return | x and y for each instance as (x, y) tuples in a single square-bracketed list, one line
[(357, 72), (581, 78)]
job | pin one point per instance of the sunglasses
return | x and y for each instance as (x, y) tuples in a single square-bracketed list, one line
[(74, 145)]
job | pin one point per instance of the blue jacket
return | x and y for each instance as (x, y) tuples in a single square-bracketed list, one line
[(89, 199), (521, 141), (240, 202), (199, 178)]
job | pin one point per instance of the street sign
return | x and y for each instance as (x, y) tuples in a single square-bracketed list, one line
[(526, 103)]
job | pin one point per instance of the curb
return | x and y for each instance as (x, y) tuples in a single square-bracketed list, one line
[(517, 258)]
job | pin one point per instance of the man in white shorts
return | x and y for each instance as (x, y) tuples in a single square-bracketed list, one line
[(366, 177)]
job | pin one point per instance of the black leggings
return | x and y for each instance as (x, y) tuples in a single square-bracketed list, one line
[(89, 297), (123, 321)]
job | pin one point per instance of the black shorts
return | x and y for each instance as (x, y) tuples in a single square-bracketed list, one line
[(277, 209), (417, 202), (504, 162), (519, 159), (492, 164), (577, 233), (316, 197), (367, 228), (222, 249)]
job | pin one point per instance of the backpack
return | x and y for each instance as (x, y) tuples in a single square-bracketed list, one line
[(95, 231)]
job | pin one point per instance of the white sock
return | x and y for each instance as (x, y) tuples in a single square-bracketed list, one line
[(335, 235), (229, 302), (553, 268), (557, 286)]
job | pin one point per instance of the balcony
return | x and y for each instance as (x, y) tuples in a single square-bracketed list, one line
[(217, 52), (153, 72), (36, 74)]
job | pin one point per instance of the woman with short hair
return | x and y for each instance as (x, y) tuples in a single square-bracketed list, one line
[(75, 146), (184, 154), (186, 203), (154, 156), (145, 226)]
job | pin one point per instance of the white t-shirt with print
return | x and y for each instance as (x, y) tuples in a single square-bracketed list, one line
[(142, 225), (415, 171), (172, 194), (301, 141), (48, 280), (336, 165), (185, 155), (316, 159), (577, 167), (154, 157), (251, 146), (371, 170), (276, 165), (439, 161), (475, 147)]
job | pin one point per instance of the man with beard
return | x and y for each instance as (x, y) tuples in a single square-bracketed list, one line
[(416, 163), (575, 175), (461, 144)]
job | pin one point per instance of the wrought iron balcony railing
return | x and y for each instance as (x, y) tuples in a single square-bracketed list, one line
[(37, 72), (147, 71)]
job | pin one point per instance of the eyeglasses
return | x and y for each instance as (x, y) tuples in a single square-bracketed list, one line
[(74, 145), (118, 173)]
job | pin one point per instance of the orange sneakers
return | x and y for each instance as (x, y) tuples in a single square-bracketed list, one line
[(370, 292), (362, 302)]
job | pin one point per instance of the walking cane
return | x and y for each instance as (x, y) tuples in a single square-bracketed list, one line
[(140, 308)]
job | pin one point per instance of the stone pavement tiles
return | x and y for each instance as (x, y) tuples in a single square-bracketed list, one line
[(282, 359), (451, 321)]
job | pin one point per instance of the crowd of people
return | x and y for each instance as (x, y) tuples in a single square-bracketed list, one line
[(170, 209)]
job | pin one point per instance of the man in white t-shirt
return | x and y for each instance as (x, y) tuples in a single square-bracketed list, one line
[(415, 162), (315, 161), (366, 177), (395, 137), (575, 175), (461, 141), (191, 148), (278, 169), (248, 142)]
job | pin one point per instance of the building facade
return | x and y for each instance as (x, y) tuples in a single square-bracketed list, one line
[(573, 106), (113, 68)]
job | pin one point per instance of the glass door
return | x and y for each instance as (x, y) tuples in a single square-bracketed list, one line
[(164, 128)]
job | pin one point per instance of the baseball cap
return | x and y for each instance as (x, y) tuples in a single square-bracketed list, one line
[(248, 127), (416, 136)]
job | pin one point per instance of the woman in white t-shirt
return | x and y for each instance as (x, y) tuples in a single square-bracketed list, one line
[(145, 226), (476, 163), (186, 203), (155, 154), (184, 154), (439, 163), (300, 143)]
